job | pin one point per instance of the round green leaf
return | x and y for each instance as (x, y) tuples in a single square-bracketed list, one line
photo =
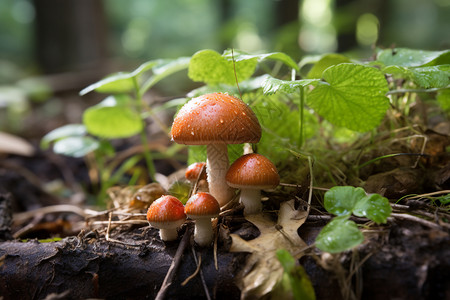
[(341, 200), (212, 68), (352, 97), (113, 118), (62, 132), (339, 235), (374, 207), (75, 146)]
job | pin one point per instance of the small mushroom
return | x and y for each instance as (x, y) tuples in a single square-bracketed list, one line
[(252, 173), (201, 207), (166, 214), (196, 173), (216, 120)]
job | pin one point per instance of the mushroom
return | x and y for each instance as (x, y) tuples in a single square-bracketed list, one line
[(196, 174), (252, 173), (167, 214), (216, 120), (201, 207)]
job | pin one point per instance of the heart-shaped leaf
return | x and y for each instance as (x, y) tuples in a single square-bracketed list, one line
[(76, 146), (374, 207), (353, 96), (340, 200), (63, 132), (339, 235), (113, 118), (212, 68)]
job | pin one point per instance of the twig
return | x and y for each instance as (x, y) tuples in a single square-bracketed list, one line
[(216, 264), (205, 287), (299, 186), (195, 272), (168, 280), (415, 219)]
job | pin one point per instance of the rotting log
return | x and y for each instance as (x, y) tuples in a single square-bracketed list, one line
[(95, 268), (405, 261)]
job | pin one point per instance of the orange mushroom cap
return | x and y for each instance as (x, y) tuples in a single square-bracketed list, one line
[(202, 205), (253, 171), (166, 212), (193, 171), (215, 118)]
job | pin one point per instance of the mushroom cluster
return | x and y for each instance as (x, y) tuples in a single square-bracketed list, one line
[(168, 213), (216, 120)]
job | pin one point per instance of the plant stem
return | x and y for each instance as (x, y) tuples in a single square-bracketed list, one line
[(301, 111), (144, 140)]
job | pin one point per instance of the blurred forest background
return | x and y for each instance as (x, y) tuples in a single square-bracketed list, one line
[(51, 49)]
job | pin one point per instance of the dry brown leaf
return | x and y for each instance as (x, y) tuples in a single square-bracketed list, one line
[(12, 144), (263, 270)]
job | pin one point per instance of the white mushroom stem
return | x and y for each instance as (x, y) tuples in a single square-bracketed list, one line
[(203, 233), (251, 199), (168, 234), (216, 167)]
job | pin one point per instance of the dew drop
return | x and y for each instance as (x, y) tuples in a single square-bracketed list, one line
[(192, 133), (221, 121), (243, 113)]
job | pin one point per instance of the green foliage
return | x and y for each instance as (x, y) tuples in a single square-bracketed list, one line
[(340, 201), (273, 85), (325, 62), (114, 117), (210, 67), (404, 57), (341, 233), (295, 279), (352, 96)]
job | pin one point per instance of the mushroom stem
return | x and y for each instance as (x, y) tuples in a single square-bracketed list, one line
[(251, 199), (216, 167), (203, 234), (168, 234)]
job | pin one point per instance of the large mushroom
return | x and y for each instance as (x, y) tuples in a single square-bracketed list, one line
[(252, 173), (216, 120)]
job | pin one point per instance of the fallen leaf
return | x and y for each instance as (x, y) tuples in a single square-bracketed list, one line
[(263, 270)]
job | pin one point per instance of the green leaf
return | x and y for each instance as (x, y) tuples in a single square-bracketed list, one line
[(242, 56), (352, 97), (273, 85), (325, 62), (425, 77), (443, 98), (298, 280), (62, 132), (412, 58), (374, 207), (164, 68), (432, 77), (210, 67), (339, 235), (341, 200), (75, 146), (113, 118), (119, 83)]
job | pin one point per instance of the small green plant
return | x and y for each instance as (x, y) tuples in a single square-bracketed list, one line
[(121, 114), (341, 233), (295, 280)]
